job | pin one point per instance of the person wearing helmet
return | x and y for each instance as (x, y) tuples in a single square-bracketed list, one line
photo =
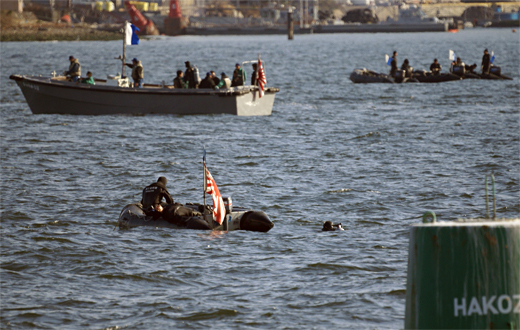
[(153, 195), (137, 72)]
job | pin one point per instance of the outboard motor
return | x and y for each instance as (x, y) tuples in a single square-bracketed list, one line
[(399, 76), (495, 70), (228, 203), (256, 221), (459, 70)]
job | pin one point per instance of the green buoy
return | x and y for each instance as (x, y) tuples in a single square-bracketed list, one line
[(464, 274)]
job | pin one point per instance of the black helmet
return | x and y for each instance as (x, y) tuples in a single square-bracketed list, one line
[(162, 180)]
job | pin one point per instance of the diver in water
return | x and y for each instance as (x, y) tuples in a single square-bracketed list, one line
[(152, 196), (329, 226), (435, 67)]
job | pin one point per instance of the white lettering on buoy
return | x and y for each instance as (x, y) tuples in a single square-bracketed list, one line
[(458, 307), (488, 304), (474, 307), (501, 304), (504, 305)]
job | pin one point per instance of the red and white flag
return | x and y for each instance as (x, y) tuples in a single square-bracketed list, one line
[(261, 78), (219, 210)]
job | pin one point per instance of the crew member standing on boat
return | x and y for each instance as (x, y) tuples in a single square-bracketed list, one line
[(239, 76), (254, 82), (178, 82), (435, 67), (74, 69), (189, 76), (137, 72), (486, 62), (393, 65), (153, 195), (225, 82)]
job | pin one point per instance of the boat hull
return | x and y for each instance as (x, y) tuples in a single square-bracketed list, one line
[(359, 76), (133, 216), (48, 96)]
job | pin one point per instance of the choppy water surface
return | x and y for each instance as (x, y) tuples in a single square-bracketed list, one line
[(373, 157)]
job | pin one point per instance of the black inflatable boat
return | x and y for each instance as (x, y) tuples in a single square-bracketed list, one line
[(191, 216), (365, 76), (429, 77)]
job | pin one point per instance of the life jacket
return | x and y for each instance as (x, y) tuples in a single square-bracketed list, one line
[(137, 74), (227, 82), (76, 73)]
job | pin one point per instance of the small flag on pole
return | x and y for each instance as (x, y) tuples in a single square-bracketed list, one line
[(261, 78), (388, 59), (131, 37), (452, 56), (492, 57), (219, 210)]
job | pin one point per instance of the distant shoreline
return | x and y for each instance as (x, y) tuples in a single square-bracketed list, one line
[(57, 34)]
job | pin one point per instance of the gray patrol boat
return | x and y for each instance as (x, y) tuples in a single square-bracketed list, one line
[(56, 95)]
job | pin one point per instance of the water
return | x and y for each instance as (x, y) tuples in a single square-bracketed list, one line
[(373, 157)]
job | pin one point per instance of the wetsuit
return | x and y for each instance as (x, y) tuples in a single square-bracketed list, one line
[(486, 63), (189, 77), (393, 66), (153, 194), (435, 68)]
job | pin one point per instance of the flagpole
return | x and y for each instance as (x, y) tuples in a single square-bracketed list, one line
[(205, 180), (256, 78), (204, 186), (124, 50)]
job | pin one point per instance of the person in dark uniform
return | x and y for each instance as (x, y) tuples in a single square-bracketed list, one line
[(152, 196), (216, 79), (486, 62), (178, 82), (189, 76), (239, 76), (254, 82), (207, 82), (393, 65), (435, 67), (408, 70)]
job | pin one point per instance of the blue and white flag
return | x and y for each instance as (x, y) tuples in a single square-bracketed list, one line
[(452, 56), (388, 59), (131, 37), (492, 57)]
